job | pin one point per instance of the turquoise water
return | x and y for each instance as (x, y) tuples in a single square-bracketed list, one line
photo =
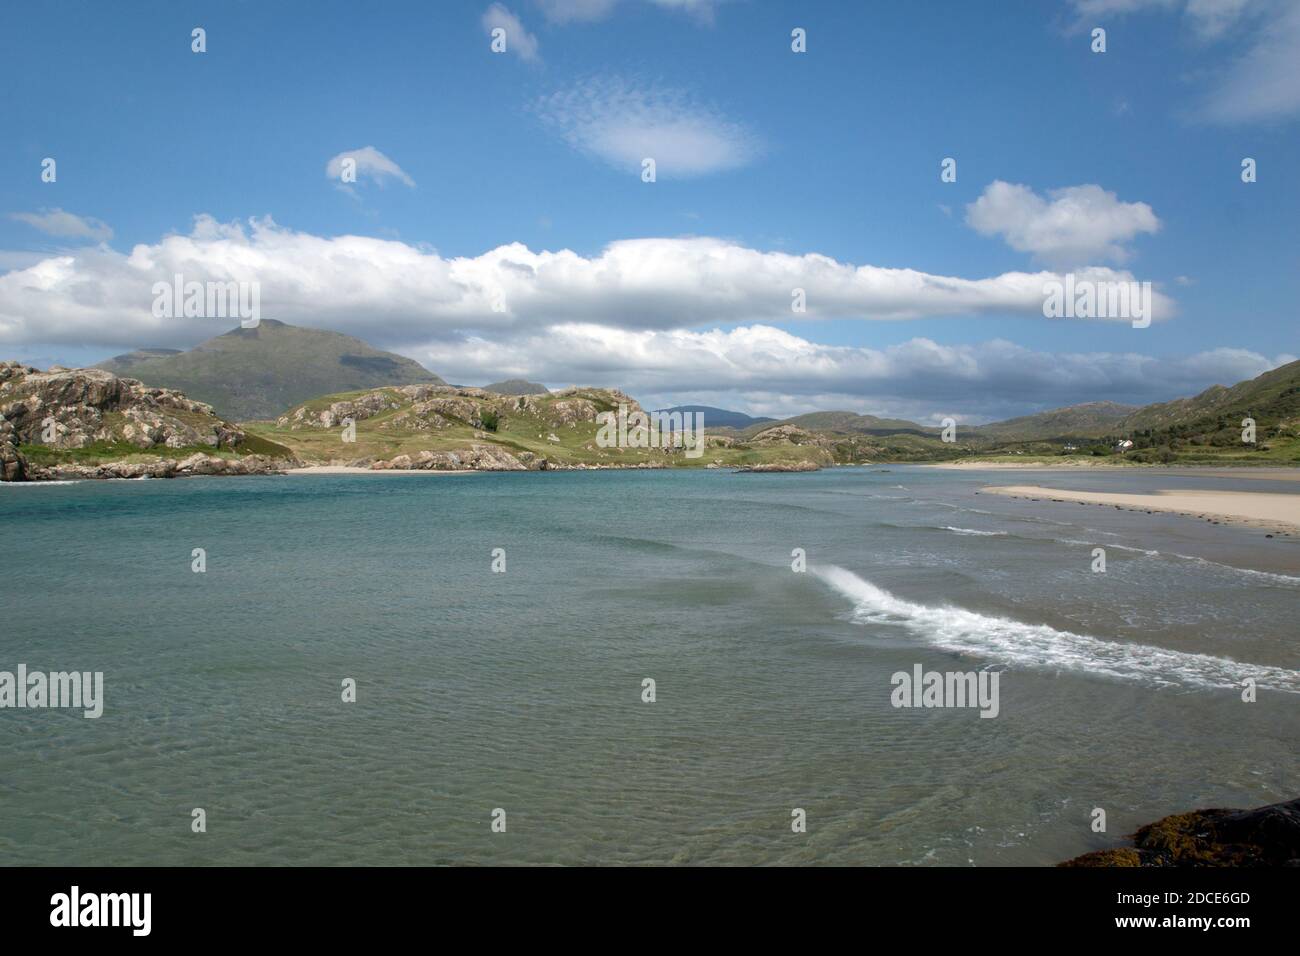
[(522, 690)]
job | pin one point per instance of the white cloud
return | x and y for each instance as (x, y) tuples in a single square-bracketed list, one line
[(1079, 225), (518, 40), (1264, 84), (370, 163), (1209, 18), (651, 315), (390, 291), (769, 371), (624, 122), (66, 225)]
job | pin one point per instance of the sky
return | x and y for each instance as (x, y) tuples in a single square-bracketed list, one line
[(502, 222)]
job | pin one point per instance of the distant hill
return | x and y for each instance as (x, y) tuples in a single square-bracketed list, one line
[(719, 417), (517, 386), (260, 372), (1090, 420), (853, 423)]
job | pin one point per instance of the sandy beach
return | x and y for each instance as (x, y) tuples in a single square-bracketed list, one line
[(350, 470), (1258, 509), (1084, 464)]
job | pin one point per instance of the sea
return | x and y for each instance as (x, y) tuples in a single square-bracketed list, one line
[(634, 667)]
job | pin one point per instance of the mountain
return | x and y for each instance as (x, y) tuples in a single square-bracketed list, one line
[(1271, 398), (517, 386), (718, 417), (259, 372), (1090, 420)]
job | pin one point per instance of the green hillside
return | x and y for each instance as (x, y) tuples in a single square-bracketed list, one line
[(1090, 420), (1208, 426)]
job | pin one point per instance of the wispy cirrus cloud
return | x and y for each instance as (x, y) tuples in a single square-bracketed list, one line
[(587, 11), (1264, 83), (1259, 83), (518, 40), (1077, 225), (624, 121), (370, 164), (576, 11), (1209, 18), (66, 225)]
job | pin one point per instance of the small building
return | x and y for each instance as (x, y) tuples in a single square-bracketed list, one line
[(1123, 445)]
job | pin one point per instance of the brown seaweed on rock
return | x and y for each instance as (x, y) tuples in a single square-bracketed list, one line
[(1267, 836)]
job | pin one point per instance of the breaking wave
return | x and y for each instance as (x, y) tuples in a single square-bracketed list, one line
[(1045, 648)]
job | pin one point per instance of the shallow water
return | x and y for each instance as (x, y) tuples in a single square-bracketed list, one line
[(523, 690)]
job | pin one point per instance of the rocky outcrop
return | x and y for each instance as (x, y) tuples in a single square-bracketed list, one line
[(474, 458), (781, 434), (779, 466), (1267, 836), (65, 410), (426, 406), (196, 464), (73, 408), (11, 463)]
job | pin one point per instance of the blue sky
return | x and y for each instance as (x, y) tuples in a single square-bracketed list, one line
[(767, 160)]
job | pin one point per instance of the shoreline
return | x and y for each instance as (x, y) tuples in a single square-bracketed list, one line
[(1255, 509), (1261, 472), (353, 470)]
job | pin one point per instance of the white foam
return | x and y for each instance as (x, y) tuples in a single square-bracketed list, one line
[(983, 534), (1042, 647)]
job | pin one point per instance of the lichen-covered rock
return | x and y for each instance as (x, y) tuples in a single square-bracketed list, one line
[(196, 464), (780, 434), (11, 463), (73, 408), (68, 409), (475, 458)]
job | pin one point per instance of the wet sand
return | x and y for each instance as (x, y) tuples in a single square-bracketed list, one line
[(1256, 509)]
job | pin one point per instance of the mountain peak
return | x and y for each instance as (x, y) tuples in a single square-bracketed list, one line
[(258, 372)]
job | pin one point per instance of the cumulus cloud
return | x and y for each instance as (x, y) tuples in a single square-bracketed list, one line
[(672, 320), (371, 164), (765, 370), (1073, 226), (623, 122), (390, 291), (66, 225), (518, 40)]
